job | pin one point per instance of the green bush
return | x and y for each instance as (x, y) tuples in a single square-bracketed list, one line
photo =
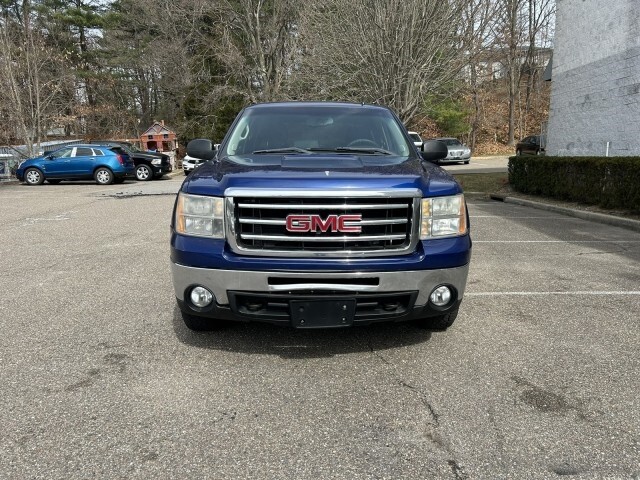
[(610, 182)]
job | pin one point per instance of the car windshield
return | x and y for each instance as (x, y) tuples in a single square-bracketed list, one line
[(451, 142), (342, 129), (131, 147)]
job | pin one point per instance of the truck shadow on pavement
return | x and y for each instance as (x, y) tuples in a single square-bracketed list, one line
[(286, 342)]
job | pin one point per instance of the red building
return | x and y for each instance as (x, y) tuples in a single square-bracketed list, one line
[(159, 137)]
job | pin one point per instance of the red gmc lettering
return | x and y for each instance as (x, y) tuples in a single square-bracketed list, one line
[(314, 223)]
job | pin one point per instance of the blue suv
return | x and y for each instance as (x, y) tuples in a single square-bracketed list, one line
[(105, 164)]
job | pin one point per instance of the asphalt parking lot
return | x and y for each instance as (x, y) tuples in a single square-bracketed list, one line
[(539, 377)]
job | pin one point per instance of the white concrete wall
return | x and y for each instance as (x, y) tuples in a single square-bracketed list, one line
[(595, 92)]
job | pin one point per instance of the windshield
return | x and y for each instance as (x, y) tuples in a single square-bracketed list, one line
[(131, 147), (311, 129)]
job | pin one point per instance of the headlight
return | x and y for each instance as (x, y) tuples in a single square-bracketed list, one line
[(156, 161), (443, 217), (200, 216)]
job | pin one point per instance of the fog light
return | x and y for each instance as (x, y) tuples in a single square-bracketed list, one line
[(440, 296), (201, 297)]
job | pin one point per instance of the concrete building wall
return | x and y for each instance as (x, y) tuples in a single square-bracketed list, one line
[(595, 91)]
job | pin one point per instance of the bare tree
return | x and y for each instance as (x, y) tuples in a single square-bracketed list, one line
[(260, 44), (518, 28), (479, 17), (394, 52), (32, 76)]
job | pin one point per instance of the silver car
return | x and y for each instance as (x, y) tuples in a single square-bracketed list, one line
[(458, 152), (189, 164)]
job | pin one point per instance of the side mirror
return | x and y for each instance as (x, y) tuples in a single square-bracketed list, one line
[(434, 150), (201, 148)]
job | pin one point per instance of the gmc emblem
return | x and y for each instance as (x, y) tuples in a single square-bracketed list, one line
[(315, 223)]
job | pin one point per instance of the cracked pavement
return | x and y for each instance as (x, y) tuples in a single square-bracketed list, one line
[(538, 378)]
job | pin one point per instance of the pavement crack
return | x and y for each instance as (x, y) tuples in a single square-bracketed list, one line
[(400, 381), (458, 471), (423, 399)]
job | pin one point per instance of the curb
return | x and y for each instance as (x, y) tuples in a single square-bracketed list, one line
[(613, 220)]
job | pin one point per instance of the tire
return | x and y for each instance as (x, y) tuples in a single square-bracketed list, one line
[(518, 152), (33, 176), (53, 182), (439, 323), (202, 324), (103, 176), (466, 162), (144, 172)]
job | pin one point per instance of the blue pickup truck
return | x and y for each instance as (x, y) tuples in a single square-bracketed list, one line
[(319, 215)]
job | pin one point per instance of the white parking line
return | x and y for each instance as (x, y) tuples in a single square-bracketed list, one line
[(539, 294), (504, 217), (557, 241)]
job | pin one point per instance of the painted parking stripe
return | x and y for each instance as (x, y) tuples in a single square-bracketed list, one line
[(577, 293), (556, 241), (505, 217)]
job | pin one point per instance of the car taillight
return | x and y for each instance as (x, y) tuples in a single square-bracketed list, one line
[(120, 159)]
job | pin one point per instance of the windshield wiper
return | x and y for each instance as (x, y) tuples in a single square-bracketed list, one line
[(371, 150), (282, 150)]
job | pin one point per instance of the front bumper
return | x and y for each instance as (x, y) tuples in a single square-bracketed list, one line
[(234, 290), (161, 169), (456, 159)]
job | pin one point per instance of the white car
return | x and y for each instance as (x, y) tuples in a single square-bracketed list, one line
[(458, 152), (417, 141), (189, 164)]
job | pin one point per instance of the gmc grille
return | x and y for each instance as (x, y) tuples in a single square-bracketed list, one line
[(259, 225)]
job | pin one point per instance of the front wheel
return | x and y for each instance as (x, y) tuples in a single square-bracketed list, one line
[(33, 176), (202, 324), (144, 172), (441, 322), (466, 162), (103, 176)]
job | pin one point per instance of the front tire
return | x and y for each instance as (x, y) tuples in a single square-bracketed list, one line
[(144, 172), (33, 176), (103, 176), (466, 162), (202, 324), (439, 323)]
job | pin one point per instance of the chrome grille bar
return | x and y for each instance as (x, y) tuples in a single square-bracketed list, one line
[(326, 206), (359, 238), (390, 221)]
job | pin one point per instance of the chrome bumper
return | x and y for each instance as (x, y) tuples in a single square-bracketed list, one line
[(221, 281)]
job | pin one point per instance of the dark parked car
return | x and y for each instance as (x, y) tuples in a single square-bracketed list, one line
[(105, 163), (533, 145), (148, 164)]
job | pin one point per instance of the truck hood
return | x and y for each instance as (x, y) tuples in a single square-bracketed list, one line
[(320, 172)]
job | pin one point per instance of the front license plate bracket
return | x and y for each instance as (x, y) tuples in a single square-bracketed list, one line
[(322, 313)]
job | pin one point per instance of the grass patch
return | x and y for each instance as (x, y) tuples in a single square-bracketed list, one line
[(483, 182)]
